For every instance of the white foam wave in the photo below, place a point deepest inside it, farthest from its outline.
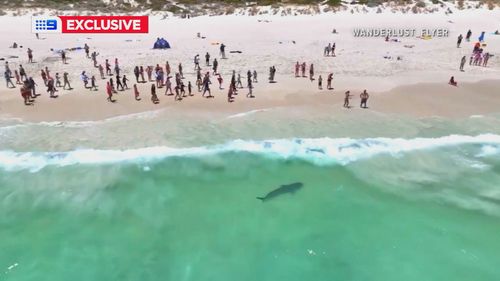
(246, 113)
(318, 151)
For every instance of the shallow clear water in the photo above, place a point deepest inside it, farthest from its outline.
(431, 214)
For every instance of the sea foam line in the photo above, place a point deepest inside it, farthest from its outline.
(318, 151)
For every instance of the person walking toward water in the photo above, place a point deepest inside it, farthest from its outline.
(462, 63)
(346, 99)
(26, 93)
(250, 89)
(459, 40)
(85, 79)
(119, 83)
(44, 77)
(197, 62)
(364, 99)
(94, 58)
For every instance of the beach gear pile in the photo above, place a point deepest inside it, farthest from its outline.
(161, 43)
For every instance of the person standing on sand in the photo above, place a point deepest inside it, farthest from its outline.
(119, 83)
(223, 51)
(32, 86)
(22, 73)
(63, 57)
(85, 79)
(459, 40)
(320, 83)
(136, 93)
(149, 71)
(51, 89)
(87, 50)
(58, 80)
(167, 68)
(94, 58)
(30, 55)
(219, 79)
(26, 93)
(168, 86)
(364, 99)
(37, 36)
(297, 69)
(303, 69)
(109, 91)
(311, 72)
(206, 86)
(136, 74)
(190, 89)
(108, 68)
(467, 37)
(255, 76)
(180, 71)
(66, 81)
(207, 59)
(124, 82)
(154, 97)
(230, 94)
(462, 63)
(333, 49)
(346, 99)
(250, 88)
(215, 65)
(44, 77)
(18, 80)
(329, 81)
(238, 82)
(101, 71)
(8, 80)
(486, 58)
(92, 83)
(196, 61)
(7, 69)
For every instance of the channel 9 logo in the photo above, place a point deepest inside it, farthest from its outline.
(46, 25)
(90, 24)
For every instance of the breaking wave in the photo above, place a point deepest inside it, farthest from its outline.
(318, 151)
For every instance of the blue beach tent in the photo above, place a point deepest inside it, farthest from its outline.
(161, 43)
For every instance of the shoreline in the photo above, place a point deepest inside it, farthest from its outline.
(427, 100)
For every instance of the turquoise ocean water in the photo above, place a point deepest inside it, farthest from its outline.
(369, 209)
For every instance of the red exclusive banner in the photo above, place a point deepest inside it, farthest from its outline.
(104, 24)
